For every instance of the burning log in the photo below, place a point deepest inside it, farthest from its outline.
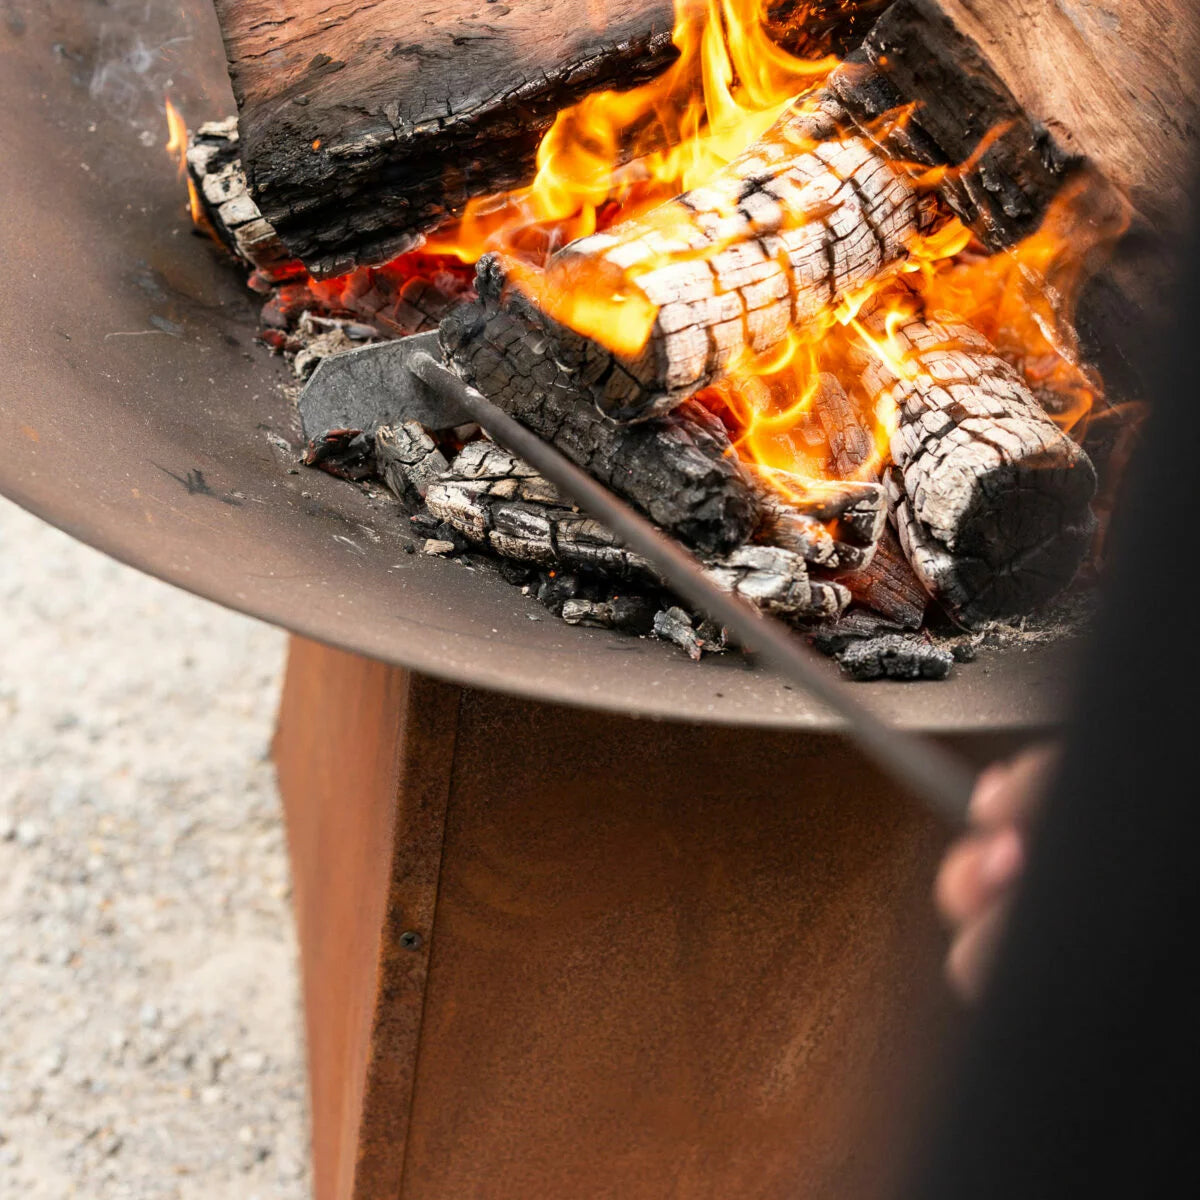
(494, 499)
(834, 525)
(403, 299)
(995, 77)
(888, 585)
(990, 498)
(681, 469)
(782, 234)
(368, 123)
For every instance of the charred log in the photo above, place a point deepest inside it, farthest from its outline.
(990, 499)
(894, 657)
(889, 586)
(218, 185)
(366, 124)
(835, 526)
(408, 460)
(964, 113)
(680, 470)
(496, 500)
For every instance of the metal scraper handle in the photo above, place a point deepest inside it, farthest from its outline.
(942, 780)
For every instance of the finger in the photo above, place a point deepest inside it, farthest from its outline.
(1010, 793)
(976, 871)
(969, 962)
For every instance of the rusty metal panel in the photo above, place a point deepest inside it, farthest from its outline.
(672, 961)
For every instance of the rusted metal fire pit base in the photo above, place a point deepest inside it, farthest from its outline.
(557, 953)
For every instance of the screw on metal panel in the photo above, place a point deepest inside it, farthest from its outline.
(411, 940)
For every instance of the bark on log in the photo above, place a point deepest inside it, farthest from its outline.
(786, 230)
(990, 499)
(680, 470)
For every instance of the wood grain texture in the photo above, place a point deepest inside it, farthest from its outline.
(1113, 80)
(364, 753)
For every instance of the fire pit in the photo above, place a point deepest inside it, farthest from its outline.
(200, 492)
(547, 948)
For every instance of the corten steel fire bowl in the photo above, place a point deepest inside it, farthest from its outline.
(137, 413)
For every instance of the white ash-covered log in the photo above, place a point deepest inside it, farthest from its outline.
(785, 232)
(990, 498)
(494, 499)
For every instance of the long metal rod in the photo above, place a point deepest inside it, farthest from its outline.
(932, 774)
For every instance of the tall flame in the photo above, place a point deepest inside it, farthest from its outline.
(616, 154)
(177, 147)
(177, 136)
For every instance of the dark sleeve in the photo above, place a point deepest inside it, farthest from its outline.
(1083, 1063)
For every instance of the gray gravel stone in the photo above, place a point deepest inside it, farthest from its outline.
(146, 942)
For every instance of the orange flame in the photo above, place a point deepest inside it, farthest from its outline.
(178, 136)
(177, 147)
(621, 153)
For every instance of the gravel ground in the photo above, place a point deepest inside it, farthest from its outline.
(150, 1039)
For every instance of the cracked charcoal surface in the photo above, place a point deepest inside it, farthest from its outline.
(152, 1044)
(496, 500)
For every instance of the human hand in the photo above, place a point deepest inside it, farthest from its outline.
(980, 871)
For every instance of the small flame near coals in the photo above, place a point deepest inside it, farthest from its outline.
(177, 141)
(177, 148)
